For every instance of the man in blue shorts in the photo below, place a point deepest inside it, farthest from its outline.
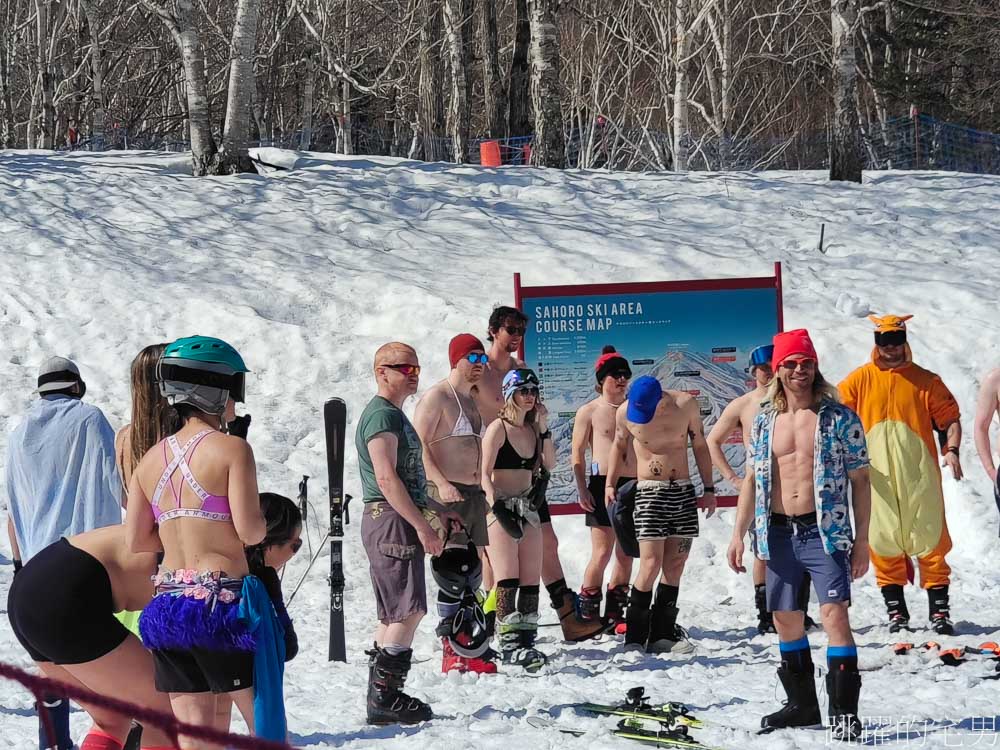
(802, 525)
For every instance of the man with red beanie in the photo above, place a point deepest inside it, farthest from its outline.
(594, 429)
(451, 428)
(805, 450)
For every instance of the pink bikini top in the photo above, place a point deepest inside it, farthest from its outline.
(213, 507)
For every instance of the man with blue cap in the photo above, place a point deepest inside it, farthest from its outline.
(657, 424)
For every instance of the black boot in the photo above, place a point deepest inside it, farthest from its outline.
(803, 601)
(665, 635)
(615, 604)
(940, 610)
(637, 618)
(844, 687)
(802, 707)
(895, 604)
(387, 703)
(517, 635)
(588, 605)
(765, 620)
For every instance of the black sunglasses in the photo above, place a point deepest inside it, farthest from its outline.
(296, 545)
(515, 330)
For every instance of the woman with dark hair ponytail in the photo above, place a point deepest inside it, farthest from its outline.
(281, 542)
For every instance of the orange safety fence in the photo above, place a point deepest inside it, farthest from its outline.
(40, 686)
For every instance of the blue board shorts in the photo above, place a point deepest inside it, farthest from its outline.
(797, 549)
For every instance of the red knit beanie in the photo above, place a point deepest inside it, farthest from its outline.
(792, 343)
(461, 345)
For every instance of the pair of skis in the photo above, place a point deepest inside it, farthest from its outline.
(953, 657)
(335, 427)
(672, 721)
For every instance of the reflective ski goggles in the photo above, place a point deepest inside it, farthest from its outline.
(478, 358)
(890, 338)
(762, 355)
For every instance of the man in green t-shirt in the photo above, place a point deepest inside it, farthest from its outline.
(395, 532)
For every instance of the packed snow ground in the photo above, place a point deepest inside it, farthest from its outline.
(307, 271)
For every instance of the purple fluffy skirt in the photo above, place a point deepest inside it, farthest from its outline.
(181, 623)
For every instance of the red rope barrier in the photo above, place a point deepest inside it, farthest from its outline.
(40, 686)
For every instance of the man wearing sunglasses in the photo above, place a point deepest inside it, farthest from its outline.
(451, 428)
(810, 465)
(988, 406)
(594, 430)
(657, 424)
(395, 532)
(901, 406)
(739, 416)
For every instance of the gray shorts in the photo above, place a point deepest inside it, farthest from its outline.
(472, 511)
(796, 551)
(396, 562)
(665, 509)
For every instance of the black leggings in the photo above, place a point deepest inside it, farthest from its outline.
(61, 607)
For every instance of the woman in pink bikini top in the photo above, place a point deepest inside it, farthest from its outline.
(194, 495)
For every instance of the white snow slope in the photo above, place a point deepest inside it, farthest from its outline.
(307, 271)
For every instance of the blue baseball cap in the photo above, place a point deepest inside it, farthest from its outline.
(643, 397)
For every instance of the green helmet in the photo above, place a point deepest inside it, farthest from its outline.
(202, 371)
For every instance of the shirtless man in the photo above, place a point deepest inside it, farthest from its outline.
(784, 501)
(451, 428)
(739, 415)
(657, 424)
(506, 332)
(987, 406)
(594, 429)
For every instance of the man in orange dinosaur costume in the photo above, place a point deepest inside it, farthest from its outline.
(901, 406)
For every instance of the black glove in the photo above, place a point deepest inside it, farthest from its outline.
(240, 426)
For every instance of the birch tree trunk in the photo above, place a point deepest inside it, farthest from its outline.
(494, 97)
(308, 93)
(234, 157)
(682, 45)
(43, 30)
(518, 82)
(845, 136)
(430, 33)
(457, 15)
(548, 148)
(97, 74)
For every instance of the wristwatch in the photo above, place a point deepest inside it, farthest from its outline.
(547, 435)
(951, 449)
(708, 488)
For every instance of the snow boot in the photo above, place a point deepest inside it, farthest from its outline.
(588, 605)
(895, 604)
(387, 703)
(665, 635)
(573, 628)
(614, 607)
(452, 662)
(844, 687)
(517, 634)
(940, 610)
(802, 707)
(765, 620)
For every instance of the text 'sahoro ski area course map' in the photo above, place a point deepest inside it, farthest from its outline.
(696, 340)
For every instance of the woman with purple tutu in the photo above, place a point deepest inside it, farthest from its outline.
(194, 495)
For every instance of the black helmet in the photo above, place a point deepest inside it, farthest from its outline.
(457, 569)
(466, 629)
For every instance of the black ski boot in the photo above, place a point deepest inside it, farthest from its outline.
(665, 635)
(517, 634)
(844, 687)
(614, 607)
(387, 703)
(588, 605)
(765, 620)
(940, 610)
(895, 604)
(637, 619)
(802, 707)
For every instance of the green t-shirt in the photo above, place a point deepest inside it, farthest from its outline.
(381, 416)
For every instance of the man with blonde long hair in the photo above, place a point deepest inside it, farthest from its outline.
(805, 450)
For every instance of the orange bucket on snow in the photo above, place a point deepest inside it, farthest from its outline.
(489, 154)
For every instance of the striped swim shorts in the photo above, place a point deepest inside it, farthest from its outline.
(665, 509)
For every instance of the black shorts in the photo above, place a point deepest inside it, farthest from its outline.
(61, 608)
(201, 671)
(598, 517)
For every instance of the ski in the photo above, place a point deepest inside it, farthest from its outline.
(953, 657)
(630, 730)
(636, 706)
(335, 425)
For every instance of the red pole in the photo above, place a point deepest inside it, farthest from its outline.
(781, 301)
(517, 304)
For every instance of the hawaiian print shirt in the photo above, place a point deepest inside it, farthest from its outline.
(840, 447)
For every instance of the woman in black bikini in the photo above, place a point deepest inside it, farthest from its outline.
(515, 447)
